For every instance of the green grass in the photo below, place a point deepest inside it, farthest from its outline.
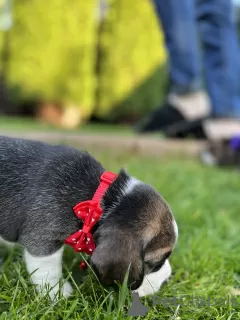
(206, 261)
(21, 124)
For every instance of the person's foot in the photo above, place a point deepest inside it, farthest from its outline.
(224, 142)
(221, 153)
(179, 117)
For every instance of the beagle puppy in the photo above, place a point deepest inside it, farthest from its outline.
(39, 186)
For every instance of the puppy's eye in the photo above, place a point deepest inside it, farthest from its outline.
(156, 265)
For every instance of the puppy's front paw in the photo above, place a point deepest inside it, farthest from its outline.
(64, 290)
(59, 290)
(153, 281)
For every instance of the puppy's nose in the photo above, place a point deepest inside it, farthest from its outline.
(133, 285)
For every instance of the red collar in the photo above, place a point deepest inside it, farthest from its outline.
(89, 212)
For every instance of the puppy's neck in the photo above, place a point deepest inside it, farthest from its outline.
(120, 188)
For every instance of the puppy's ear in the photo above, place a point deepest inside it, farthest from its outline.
(114, 254)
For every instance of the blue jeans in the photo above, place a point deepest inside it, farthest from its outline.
(213, 21)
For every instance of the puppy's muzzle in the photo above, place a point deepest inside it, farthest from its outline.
(109, 278)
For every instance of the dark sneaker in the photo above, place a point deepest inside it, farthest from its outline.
(168, 120)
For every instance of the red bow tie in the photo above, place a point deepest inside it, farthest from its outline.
(89, 212)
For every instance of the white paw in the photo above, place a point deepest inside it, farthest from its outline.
(153, 281)
(59, 290)
(66, 289)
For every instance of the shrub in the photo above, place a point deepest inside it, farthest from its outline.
(53, 48)
(52, 52)
(132, 57)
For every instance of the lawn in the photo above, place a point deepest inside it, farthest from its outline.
(206, 261)
(21, 124)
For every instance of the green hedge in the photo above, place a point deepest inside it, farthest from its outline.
(53, 46)
(132, 75)
(52, 51)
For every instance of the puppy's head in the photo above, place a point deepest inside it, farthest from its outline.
(138, 232)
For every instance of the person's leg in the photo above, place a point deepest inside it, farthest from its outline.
(222, 67)
(221, 55)
(179, 25)
(187, 102)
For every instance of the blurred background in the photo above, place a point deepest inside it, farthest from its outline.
(66, 64)
(69, 63)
